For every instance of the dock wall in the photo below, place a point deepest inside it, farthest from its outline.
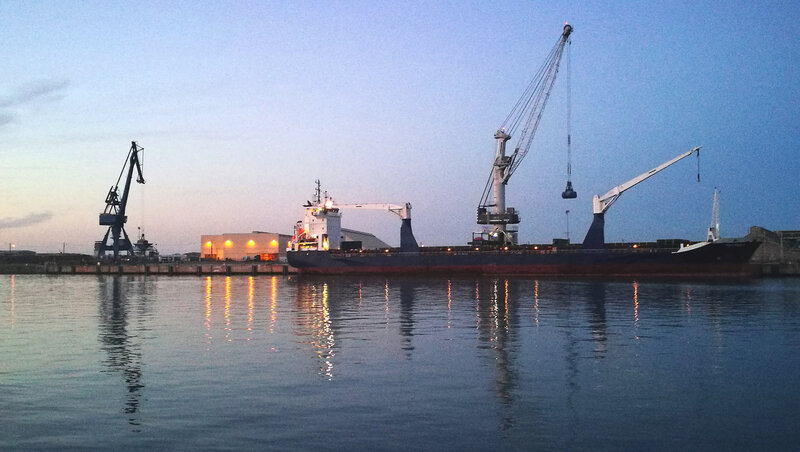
(171, 269)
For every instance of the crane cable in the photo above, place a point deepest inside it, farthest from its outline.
(531, 104)
(569, 111)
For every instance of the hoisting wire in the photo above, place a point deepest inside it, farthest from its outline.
(569, 111)
(698, 165)
(540, 98)
(486, 190)
(527, 96)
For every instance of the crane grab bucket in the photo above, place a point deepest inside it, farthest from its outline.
(569, 193)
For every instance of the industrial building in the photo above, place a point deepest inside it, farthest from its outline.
(256, 245)
(268, 246)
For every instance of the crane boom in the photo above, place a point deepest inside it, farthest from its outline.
(601, 203)
(595, 237)
(401, 210)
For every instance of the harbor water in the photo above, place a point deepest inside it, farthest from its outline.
(399, 363)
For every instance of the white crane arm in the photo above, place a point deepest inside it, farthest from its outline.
(401, 210)
(601, 203)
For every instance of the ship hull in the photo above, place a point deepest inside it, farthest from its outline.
(728, 258)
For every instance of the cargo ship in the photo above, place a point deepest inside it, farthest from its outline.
(317, 245)
(317, 248)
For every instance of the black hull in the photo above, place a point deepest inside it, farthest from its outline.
(724, 258)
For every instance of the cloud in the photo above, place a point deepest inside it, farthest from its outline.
(36, 91)
(6, 118)
(31, 94)
(28, 220)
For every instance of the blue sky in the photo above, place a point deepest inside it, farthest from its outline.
(240, 106)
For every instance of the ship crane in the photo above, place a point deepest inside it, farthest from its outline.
(113, 215)
(320, 228)
(524, 118)
(595, 237)
(407, 240)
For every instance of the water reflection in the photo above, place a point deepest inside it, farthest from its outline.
(496, 323)
(11, 300)
(121, 321)
(407, 316)
(314, 321)
(596, 299)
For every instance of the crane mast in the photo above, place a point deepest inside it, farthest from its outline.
(713, 230)
(525, 118)
(113, 215)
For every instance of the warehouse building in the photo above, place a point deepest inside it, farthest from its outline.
(256, 245)
(268, 246)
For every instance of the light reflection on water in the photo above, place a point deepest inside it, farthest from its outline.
(403, 362)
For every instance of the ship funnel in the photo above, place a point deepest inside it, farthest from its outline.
(407, 240)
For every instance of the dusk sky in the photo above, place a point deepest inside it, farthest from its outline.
(240, 106)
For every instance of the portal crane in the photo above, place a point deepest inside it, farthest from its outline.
(595, 237)
(526, 113)
(113, 215)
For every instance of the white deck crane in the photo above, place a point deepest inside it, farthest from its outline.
(525, 118)
(595, 237)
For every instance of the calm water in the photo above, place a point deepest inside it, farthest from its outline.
(400, 364)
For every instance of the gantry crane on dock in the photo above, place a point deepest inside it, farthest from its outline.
(113, 215)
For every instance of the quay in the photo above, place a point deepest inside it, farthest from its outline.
(168, 269)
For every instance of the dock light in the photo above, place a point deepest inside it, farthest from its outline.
(536, 247)
(505, 248)
(273, 242)
(635, 245)
(385, 251)
(208, 243)
(228, 243)
(448, 249)
(477, 249)
(251, 243)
